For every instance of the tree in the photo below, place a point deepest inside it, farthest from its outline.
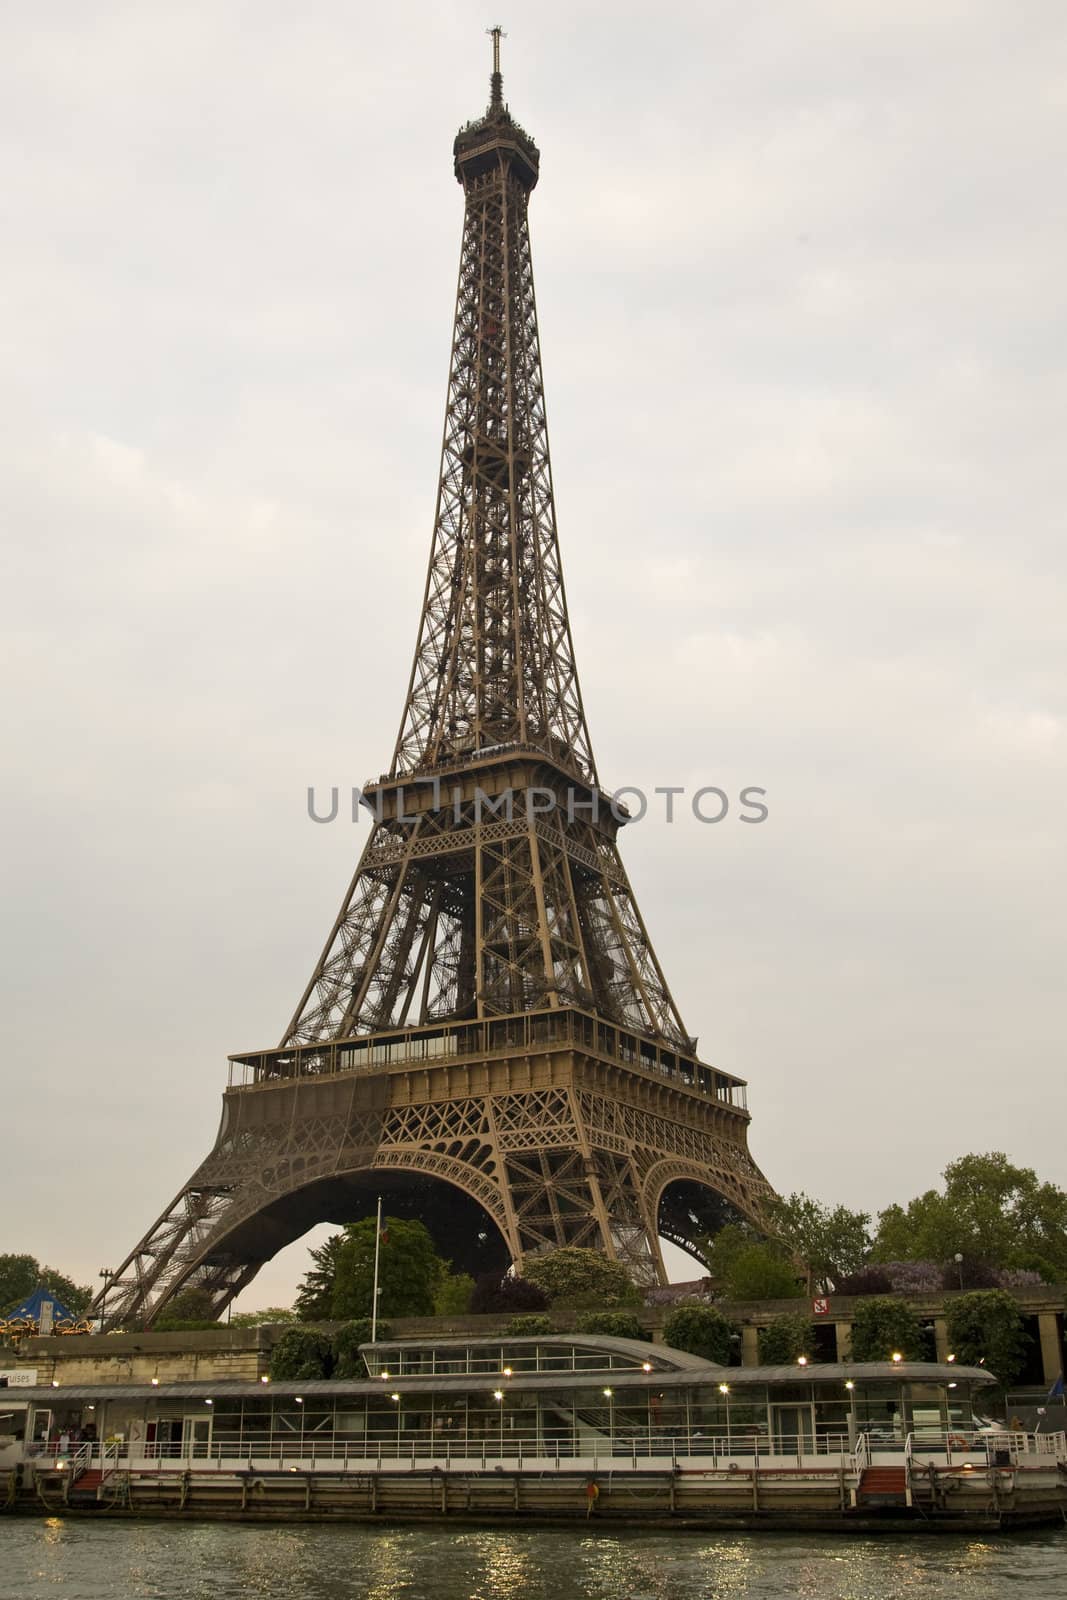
(530, 1324)
(506, 1291)
(21, 1274)
(761, 1272)
(991, 1211)
(831, 1241)
(747, 1266)
(191, 1307)
(883, 1325)
(347, 1361)
(583, 1279)
(259, 1319)
(314, 1298)
(301, 1354)
(986, 1329)
(19, 1277)
(340, 1282)
(701, 1331)
(617, 1324)
(409, 1270)
(785, 1338)
(452, 1292)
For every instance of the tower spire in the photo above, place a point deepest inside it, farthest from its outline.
(496, 78)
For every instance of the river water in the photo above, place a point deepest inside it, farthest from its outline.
(84, 1560)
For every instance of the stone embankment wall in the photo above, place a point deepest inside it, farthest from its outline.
(244, 1353)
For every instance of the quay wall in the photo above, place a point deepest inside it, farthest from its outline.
(244, 1353)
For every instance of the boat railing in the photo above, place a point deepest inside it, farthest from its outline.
(231, 1452)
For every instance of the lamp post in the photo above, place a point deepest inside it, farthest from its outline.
(851, 1387)
(107, 1275)
(498, 1396)
(724, 1390)
(958, 1259)
(609, 1396)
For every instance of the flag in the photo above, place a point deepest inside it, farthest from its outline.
(384, 1234)
(1056, 1392)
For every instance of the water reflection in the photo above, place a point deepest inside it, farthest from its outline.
(87, 1560)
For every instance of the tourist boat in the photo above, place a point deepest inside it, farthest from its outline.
(449, 1416)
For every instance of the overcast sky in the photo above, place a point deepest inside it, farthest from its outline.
(800, 273)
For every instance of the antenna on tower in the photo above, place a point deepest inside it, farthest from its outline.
(496, 81)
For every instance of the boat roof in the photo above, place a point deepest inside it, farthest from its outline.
(739, 1378)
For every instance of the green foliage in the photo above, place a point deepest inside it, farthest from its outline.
(506, 1291)
(340, 1282)
(582, 1279)
(189, 1305)
(832, 1241)
(700, 1330)
(301, 1353)
(881, 1325)
(408, 1272)
(20, 1275)
(347, 1361)
(185, 1325)
(785, 1338)
(990, 1210)
(747, 1267)
(452, 1293)
(619, 1324)
(314, 1297)
(261, 1319)
(986, 1328)
(529, 1324)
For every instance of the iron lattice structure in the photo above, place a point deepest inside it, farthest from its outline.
(488, 1013)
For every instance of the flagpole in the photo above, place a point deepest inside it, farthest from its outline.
(374, 1296)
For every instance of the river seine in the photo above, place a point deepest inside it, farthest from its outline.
(82, 1560)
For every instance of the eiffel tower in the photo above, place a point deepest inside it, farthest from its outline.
(487, 1039)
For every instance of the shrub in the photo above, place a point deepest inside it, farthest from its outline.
(184, 1325)
(1018, 1278)
(913, 1277)
(301, 1352)
(452, 1296)
(347, 1361)
(618, 1324)
(868, 1280)
(584, 1279)
(533, 1322)
(761, 1272)
(496, 1291)
(701, 1331)
(987, 1327)
(884, 1325)
(975, 1271)
(783, 1340)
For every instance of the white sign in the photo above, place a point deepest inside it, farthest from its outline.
(19, 1377)
(47, 1318)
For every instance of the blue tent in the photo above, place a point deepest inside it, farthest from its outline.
(31, 1306)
